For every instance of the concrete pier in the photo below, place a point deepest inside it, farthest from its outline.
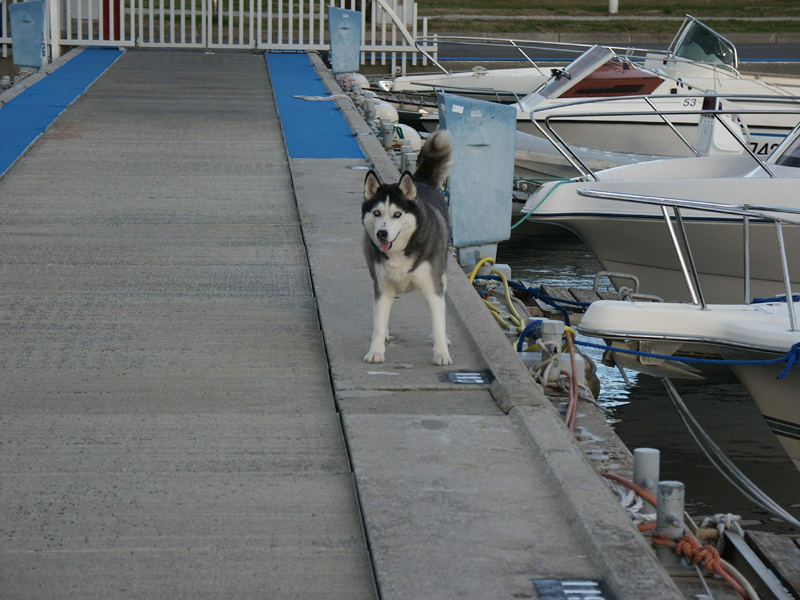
(185, 410)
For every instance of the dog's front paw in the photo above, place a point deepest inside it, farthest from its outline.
(442, 359)
(374, 357)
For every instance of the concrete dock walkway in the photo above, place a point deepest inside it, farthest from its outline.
(185, 410)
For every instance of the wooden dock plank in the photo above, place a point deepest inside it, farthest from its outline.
(562, 293)
(781, 553)
(584, 295)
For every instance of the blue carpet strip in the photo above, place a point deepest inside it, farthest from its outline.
(312, 129)
(26, 116)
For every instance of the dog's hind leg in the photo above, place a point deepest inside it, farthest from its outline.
(441, 354)
(380, 327)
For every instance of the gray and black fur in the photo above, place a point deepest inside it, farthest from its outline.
(406, 239)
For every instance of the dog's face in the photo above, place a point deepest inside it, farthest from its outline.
(389, 212)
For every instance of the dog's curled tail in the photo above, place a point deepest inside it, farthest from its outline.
(433, 163)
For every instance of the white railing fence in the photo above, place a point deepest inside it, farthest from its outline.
(388, 27)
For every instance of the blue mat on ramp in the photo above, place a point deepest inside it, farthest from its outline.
(27, 115)
(312, 129)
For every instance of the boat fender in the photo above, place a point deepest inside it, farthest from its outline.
(405, 133)
(384, 110)
(359, 79)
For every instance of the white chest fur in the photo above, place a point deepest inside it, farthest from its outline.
(396, 273)
(395, 276)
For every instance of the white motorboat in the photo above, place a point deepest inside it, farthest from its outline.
(507, 85)
(761, 340)
(740, 332)
(698, 62)
(497, 85)
(536, 158)
(631, 238)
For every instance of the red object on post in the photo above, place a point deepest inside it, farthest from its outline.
(111, 7)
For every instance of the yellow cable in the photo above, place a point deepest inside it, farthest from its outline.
(491, 306)
(499, 319)
(478, 266)
(516, 318)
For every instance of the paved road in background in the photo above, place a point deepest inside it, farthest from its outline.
(747, 52)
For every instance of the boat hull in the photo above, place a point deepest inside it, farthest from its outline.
(649, 137)
(739, 332)
(777, 399)
(643, 247)
(634, 238)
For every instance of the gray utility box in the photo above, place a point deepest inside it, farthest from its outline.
(345, 34)
(482, 177)
(27, 33)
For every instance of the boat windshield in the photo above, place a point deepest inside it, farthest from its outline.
(790, 157)
(697, 41)
(576, 71)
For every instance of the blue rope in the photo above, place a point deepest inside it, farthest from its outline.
(790, 358)
(529, 329)
(537, 293)
(795, 298)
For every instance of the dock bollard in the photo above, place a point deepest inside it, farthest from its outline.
(387, 133)
(369, 107)
(646, 470)
(669, 520)
(552, 331)
(408, 162)
(405, 154)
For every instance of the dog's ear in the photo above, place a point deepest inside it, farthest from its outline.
(371, 186)
(407, 187)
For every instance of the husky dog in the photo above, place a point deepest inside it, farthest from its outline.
(407, 234)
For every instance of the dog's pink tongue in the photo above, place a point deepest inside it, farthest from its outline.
(385, 246)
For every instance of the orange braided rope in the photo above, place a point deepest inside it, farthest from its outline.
(689, 547)
(639, 490)
(631, 485)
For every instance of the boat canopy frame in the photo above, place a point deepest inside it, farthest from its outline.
(710, 109)
(747, 212)
(428, 46)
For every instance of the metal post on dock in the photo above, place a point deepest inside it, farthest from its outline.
(387, 133)
(670, 498)
(646, 471)
(408, 160)
(369, 108)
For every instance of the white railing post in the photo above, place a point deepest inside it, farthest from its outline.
(55, 28)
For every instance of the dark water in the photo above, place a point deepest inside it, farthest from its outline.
(643, 415)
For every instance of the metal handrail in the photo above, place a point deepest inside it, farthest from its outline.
(689, 269)
(422, 43)
(564, 148)
(454, 89)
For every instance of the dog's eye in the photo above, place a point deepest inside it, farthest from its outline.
(376, 213)
(398, 214)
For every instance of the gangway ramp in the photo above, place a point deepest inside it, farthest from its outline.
(185, 410)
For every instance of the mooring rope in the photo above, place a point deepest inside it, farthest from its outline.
(790, 358)
(686, 545)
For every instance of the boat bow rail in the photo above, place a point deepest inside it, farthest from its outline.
(713, 50)
(680, 240)
(702, 107)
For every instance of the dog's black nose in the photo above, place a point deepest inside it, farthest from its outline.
(382, 235)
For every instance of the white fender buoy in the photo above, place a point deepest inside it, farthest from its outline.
(359, 79)
(404, 133)
(384, 110)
